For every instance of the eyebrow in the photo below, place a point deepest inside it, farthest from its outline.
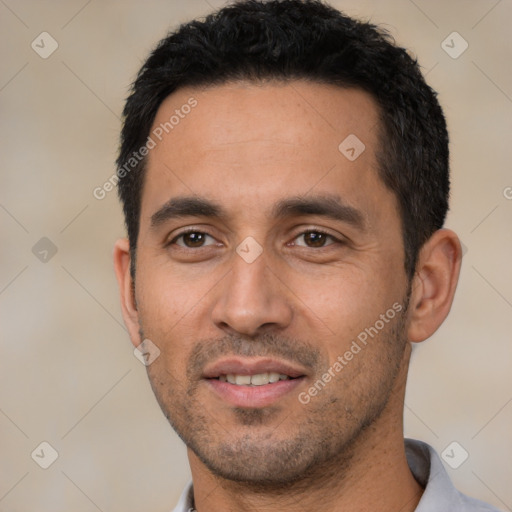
(328, 206)
(180, 207)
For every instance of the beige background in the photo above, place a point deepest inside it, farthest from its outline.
(67, 371)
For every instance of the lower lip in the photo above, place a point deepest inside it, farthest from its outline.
(253, 396)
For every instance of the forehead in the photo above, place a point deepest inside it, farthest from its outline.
(297, 113)
(262, 140)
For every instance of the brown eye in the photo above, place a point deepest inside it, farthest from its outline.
(193, 240)
(314, 239)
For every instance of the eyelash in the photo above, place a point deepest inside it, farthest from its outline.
(186, 232)
(303, 233)
(319, 232)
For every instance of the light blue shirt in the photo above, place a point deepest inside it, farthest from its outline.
(439, 495)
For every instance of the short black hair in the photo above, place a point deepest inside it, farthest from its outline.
(258, 40)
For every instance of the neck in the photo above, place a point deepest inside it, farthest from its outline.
(372, 474)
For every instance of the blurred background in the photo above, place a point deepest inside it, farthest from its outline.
(68, 375)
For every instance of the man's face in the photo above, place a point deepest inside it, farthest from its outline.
(266, 250)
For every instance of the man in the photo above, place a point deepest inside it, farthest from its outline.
(284, 176)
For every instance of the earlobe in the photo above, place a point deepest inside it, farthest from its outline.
(122, 261)
(434, 284)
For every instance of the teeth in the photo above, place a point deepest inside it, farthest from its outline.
(258, 379)
(242, 380)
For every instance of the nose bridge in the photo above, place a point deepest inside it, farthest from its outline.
(247, 280)
(250, 299)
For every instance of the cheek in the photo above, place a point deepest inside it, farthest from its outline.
(345, 301)
(171, 308)
(160, 311)
(158, 304)
(166, 294)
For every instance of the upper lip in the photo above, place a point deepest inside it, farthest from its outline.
(250, 366)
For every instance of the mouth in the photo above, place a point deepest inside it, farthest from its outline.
(259, 379)
(252, 383)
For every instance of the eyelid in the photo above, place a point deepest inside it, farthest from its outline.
(335, 238)
(172, 240)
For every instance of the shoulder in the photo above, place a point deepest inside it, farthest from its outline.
(439, 492)
(473, 505)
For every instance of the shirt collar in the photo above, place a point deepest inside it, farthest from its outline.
(429, 472)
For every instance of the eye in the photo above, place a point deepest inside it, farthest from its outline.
(193, 240)
(314, 239)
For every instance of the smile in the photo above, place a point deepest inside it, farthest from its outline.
(253, 382)
(259, 379)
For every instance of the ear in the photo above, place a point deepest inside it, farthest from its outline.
(434, 284)
(122, 260)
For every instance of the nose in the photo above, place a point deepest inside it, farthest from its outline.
(251, 300)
